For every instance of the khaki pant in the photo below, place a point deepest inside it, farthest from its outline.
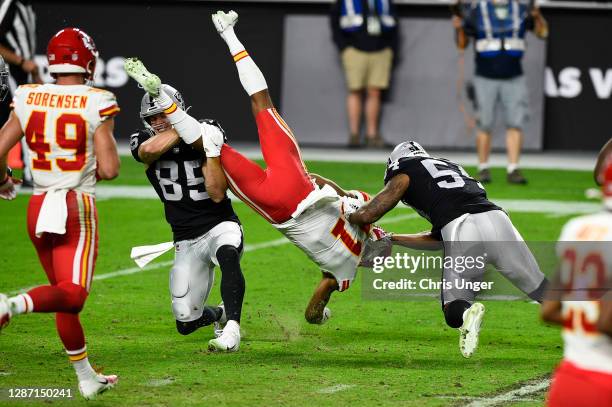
(367, 69)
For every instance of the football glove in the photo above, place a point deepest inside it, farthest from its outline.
(350, 205)
(213, 138)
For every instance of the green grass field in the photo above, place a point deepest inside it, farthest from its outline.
(369, 353)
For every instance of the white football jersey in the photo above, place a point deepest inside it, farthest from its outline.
(328, 239)
(585, 249)
(59, 122)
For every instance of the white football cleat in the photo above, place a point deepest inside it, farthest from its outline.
(223, 21)
(98, 384)
(137, 71)
(221, 322)
(469, 331)
(5, 311)
(229, 341)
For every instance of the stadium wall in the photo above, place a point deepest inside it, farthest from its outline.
(291, 43)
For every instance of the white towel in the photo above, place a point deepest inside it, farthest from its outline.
(143, 255)
(53, 213)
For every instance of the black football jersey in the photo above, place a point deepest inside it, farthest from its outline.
(179, 182)
(439, 190)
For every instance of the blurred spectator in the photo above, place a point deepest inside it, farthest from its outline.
(498, 28)
(17, 47)
(365, 32)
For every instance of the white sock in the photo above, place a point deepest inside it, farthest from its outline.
(232, 325)
(21, 304)
(83, 369)
(250, 75)
(483, 166)
(512, 167)
(186, 126)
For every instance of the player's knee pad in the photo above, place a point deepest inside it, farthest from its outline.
(181, 309)
(75, 296)
(453, 312)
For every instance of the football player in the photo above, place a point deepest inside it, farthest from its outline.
(583, 306)
(305, 207)
(68, 127)
(206, 230)
(459, 211)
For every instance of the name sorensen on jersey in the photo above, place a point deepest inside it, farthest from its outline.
(179, 182)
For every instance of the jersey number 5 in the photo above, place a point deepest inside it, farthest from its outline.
(76, 140)
(457, 182)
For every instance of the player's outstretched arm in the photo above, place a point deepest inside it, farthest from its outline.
(158, 145)
(322, 181)
(105, 149)
(315, 310)
(251, 77)
(382, 203)
(214, 179)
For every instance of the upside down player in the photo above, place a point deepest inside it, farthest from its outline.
(459, 211)
(68, 127)
(206, 230)
(305, 207)
(584, 378)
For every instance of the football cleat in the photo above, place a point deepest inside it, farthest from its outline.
(470, 330)
(223, 21)
(137, 71)
(98, 384)
(5, 311)
(229, 341)
(222, 321)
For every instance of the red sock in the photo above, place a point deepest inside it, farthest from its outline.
(70, 331)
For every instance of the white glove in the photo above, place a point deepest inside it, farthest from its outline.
(7, 190)
(213, 140)
(350, 205)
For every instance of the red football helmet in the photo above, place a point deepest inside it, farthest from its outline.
(72, 50)
(607, 184)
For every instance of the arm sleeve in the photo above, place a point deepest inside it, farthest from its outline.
(107, 106)
(470, 24)
(7, 15)
(136, 140)
(529, 23)
(334, 19)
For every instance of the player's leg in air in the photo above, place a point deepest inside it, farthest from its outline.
(69, 262)
(276, 191)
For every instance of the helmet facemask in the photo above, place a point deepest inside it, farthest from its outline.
(4, 80)
(149, 108)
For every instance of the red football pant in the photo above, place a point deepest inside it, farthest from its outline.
(69, 261)
(275, 192)
(575, 387)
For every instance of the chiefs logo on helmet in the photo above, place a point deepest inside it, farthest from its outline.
(72, 50)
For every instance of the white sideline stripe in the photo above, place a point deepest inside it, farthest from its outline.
(512, 395)
(247, 248)
(104, 192)
(335, 389)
